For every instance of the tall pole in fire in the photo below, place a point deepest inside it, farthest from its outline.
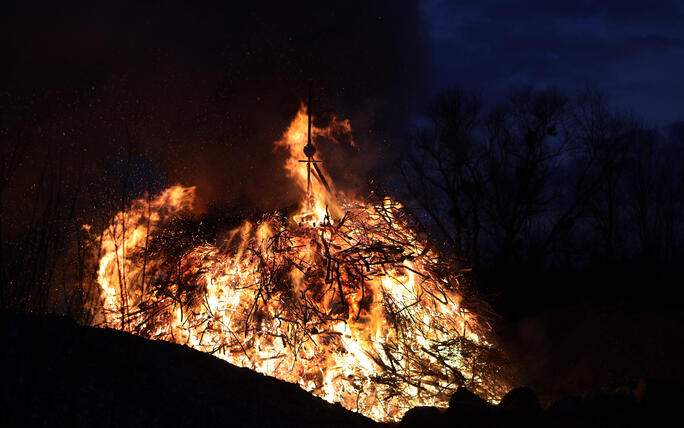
(309, 151)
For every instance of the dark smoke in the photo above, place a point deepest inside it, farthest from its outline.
(196, 94)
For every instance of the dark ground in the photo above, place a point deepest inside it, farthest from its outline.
(57, 373)
(586, 347)
(60, 374)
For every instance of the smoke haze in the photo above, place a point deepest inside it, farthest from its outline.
(196, 95)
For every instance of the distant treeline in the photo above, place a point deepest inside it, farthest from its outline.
(552, 197)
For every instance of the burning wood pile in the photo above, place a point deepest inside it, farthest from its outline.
(345, 297)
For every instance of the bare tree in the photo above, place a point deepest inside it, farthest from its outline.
(487, 180)
(442, 171)
(604, 137)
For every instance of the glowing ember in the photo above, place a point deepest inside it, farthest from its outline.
(345, 299)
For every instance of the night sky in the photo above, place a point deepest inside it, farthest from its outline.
(374, 63)
(632, 50)
(199, 87)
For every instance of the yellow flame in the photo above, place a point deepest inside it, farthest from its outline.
(333, 337)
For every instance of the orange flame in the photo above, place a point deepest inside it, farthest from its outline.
(345, 300)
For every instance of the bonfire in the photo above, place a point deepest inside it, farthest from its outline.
(344, 296)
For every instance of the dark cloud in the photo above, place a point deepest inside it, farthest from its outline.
(632, 50)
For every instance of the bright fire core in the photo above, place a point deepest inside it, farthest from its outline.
(343, 297)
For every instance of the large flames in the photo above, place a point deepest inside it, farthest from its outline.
(343, 297)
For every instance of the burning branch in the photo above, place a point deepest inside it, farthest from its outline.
(354, 307)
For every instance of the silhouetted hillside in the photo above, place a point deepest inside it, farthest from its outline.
(60, 374)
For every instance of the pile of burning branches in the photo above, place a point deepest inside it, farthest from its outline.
(350, 302)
